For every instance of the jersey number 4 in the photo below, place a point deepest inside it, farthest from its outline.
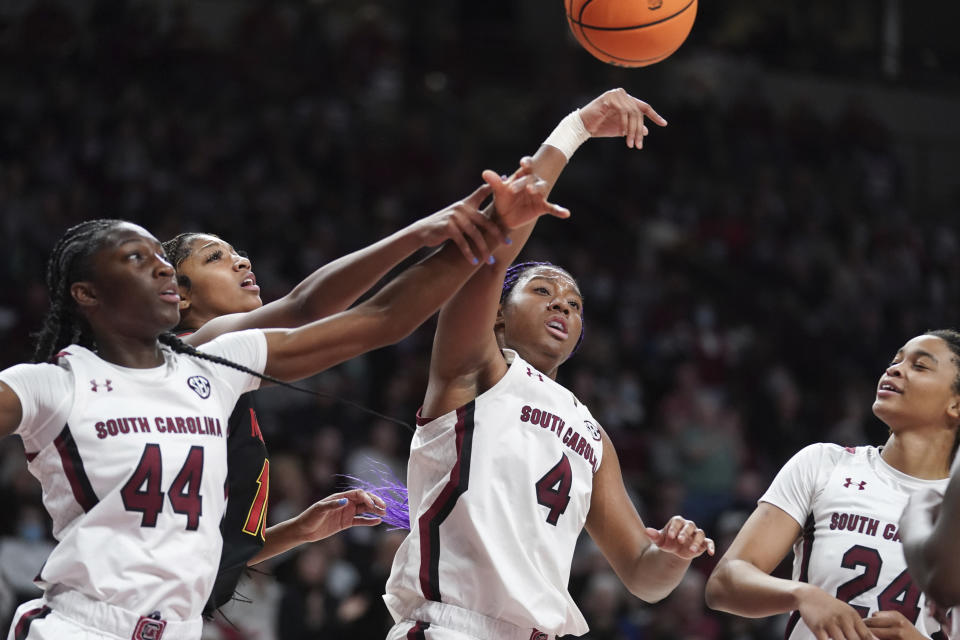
(553, 489)
(900, 595)
(142, 492)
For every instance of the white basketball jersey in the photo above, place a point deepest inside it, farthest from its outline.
(849, 502)
(499, 492)
(134, 480)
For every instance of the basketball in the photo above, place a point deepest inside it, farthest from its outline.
(631, 33)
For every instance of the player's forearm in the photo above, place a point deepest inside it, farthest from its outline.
(277, 539)
(335, 286)
(386, 318)
(655, 574)
(739, 587)
(934, 566)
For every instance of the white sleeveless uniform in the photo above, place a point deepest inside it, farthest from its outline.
(499, 491)
(132, 463)
(849, 502)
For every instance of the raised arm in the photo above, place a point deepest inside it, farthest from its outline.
(930, 529)
(338, 284)
(650, 563)
(403, 304)
(741, 582)
(465, 352)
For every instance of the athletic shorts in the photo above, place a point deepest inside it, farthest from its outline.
(74, 616)
(438, 621)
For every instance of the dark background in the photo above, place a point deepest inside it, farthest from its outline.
(747, 275)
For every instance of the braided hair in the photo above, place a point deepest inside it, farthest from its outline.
(512, 277)
(952, 338)
(69, 263)
(178, 249)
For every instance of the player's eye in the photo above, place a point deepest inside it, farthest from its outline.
(216, 255)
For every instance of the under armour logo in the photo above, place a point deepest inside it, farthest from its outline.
(860, 484)
(536, 634)
(530, 374)
(95, 386)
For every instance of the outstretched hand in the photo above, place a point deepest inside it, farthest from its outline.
(338, 512)
(522, 197)
(682, 538)
(616, 113)
(460, 221)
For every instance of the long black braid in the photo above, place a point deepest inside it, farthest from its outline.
(511, 278)
(69, 263)
(179, 346)
(952, 338)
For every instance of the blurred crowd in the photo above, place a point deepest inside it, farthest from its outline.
(746, 276)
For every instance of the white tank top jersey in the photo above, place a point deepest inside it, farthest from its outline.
(499, 491)
(132, 463)
(849, 502)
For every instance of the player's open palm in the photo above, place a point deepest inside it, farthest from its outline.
(682, 538)
(338, 512)
(522, 197)
(829, 618)
(616, 113)
(892, 625)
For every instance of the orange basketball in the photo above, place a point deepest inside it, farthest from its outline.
(631, 33)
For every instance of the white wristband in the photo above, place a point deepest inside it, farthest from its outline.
(569, 134)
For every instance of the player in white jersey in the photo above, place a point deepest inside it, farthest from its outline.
(219, 293)
(839, 508)
(507, 466)
(930, 528)
(135, 485)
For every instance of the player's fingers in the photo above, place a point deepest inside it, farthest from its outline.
(488, 226)
(673, 527)
(697, 541)
(365, 521)
(686, 532)
(835, 632)
(370, 501)
(638, 133)
(464, 247)
(848, 629)
(624, 122)
(557, 211)
(468, 228)
(526, 167)
(711, 546)
(881, 619)
(329, 504)
(654, 534)
(482, 192)
(650, 113)
(865, 633)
